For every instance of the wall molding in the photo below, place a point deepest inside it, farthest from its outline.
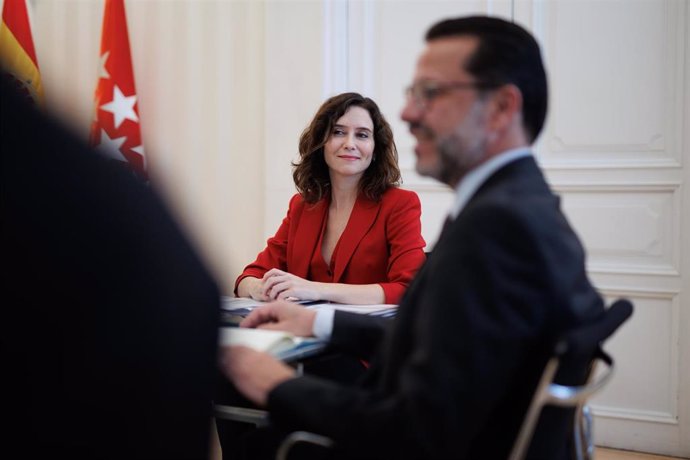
(550, 163)
(349, 38)
(634, 415)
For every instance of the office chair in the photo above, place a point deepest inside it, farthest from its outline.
(581, 345)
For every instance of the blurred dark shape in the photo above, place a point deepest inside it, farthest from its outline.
(109, 318)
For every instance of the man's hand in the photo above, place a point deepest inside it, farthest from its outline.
(253, 373)
(282, 316)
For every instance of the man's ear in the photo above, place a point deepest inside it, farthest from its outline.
(506, 107)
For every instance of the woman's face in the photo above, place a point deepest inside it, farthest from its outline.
(350, 146)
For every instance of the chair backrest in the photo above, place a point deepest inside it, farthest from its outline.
(572, 365)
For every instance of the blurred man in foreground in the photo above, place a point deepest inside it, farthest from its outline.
(109, 318)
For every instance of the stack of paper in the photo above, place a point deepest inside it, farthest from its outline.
(280, 344)
(374, 310)
(243, 306)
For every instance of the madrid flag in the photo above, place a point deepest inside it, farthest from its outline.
(115, 128)
(17, 53)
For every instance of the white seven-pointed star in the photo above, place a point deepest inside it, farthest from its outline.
(102, 71)
(121, 107)
(111, 147)
(138, 149)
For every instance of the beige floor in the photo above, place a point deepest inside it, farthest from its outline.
(215, 453)
(611, 454)
(601, 453)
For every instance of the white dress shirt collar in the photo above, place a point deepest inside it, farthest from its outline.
(475, 178)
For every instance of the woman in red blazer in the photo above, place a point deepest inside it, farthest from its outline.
(350, 234)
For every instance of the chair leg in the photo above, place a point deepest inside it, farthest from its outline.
(587, 434)
(578, 441)
(583, 442)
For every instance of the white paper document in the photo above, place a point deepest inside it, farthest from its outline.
(361, 309)
(243, 306)
(242, 303)
(278, 343)
(238, 303)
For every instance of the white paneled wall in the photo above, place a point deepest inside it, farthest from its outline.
(226, 86)
(616, 149)
(293, 88)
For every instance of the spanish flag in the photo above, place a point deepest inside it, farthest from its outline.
(17, 54)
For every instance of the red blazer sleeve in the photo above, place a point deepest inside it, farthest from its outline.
(275, 253)
(406, 245)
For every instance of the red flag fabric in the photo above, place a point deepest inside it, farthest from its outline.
(17, 51)
(115, 128)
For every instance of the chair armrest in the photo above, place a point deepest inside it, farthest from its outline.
(241, 414)
(301, 436)
(571, 396)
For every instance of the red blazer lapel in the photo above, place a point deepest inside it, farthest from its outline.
(362, 218)
(306, 237)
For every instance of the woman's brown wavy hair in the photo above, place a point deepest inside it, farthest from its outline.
(310, 173)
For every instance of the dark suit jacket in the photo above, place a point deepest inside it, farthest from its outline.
(382, 243)
(109, 319)
(473, 332)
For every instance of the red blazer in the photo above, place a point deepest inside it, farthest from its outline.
(382, 242)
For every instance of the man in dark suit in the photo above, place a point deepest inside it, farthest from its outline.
(453, 375)
(109, 318)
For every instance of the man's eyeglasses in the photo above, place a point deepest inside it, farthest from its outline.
(423, 92)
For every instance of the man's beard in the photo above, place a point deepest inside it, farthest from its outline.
(458, 152)
(457, 158)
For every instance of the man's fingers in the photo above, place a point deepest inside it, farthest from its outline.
(258, 316)
(272, 326)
